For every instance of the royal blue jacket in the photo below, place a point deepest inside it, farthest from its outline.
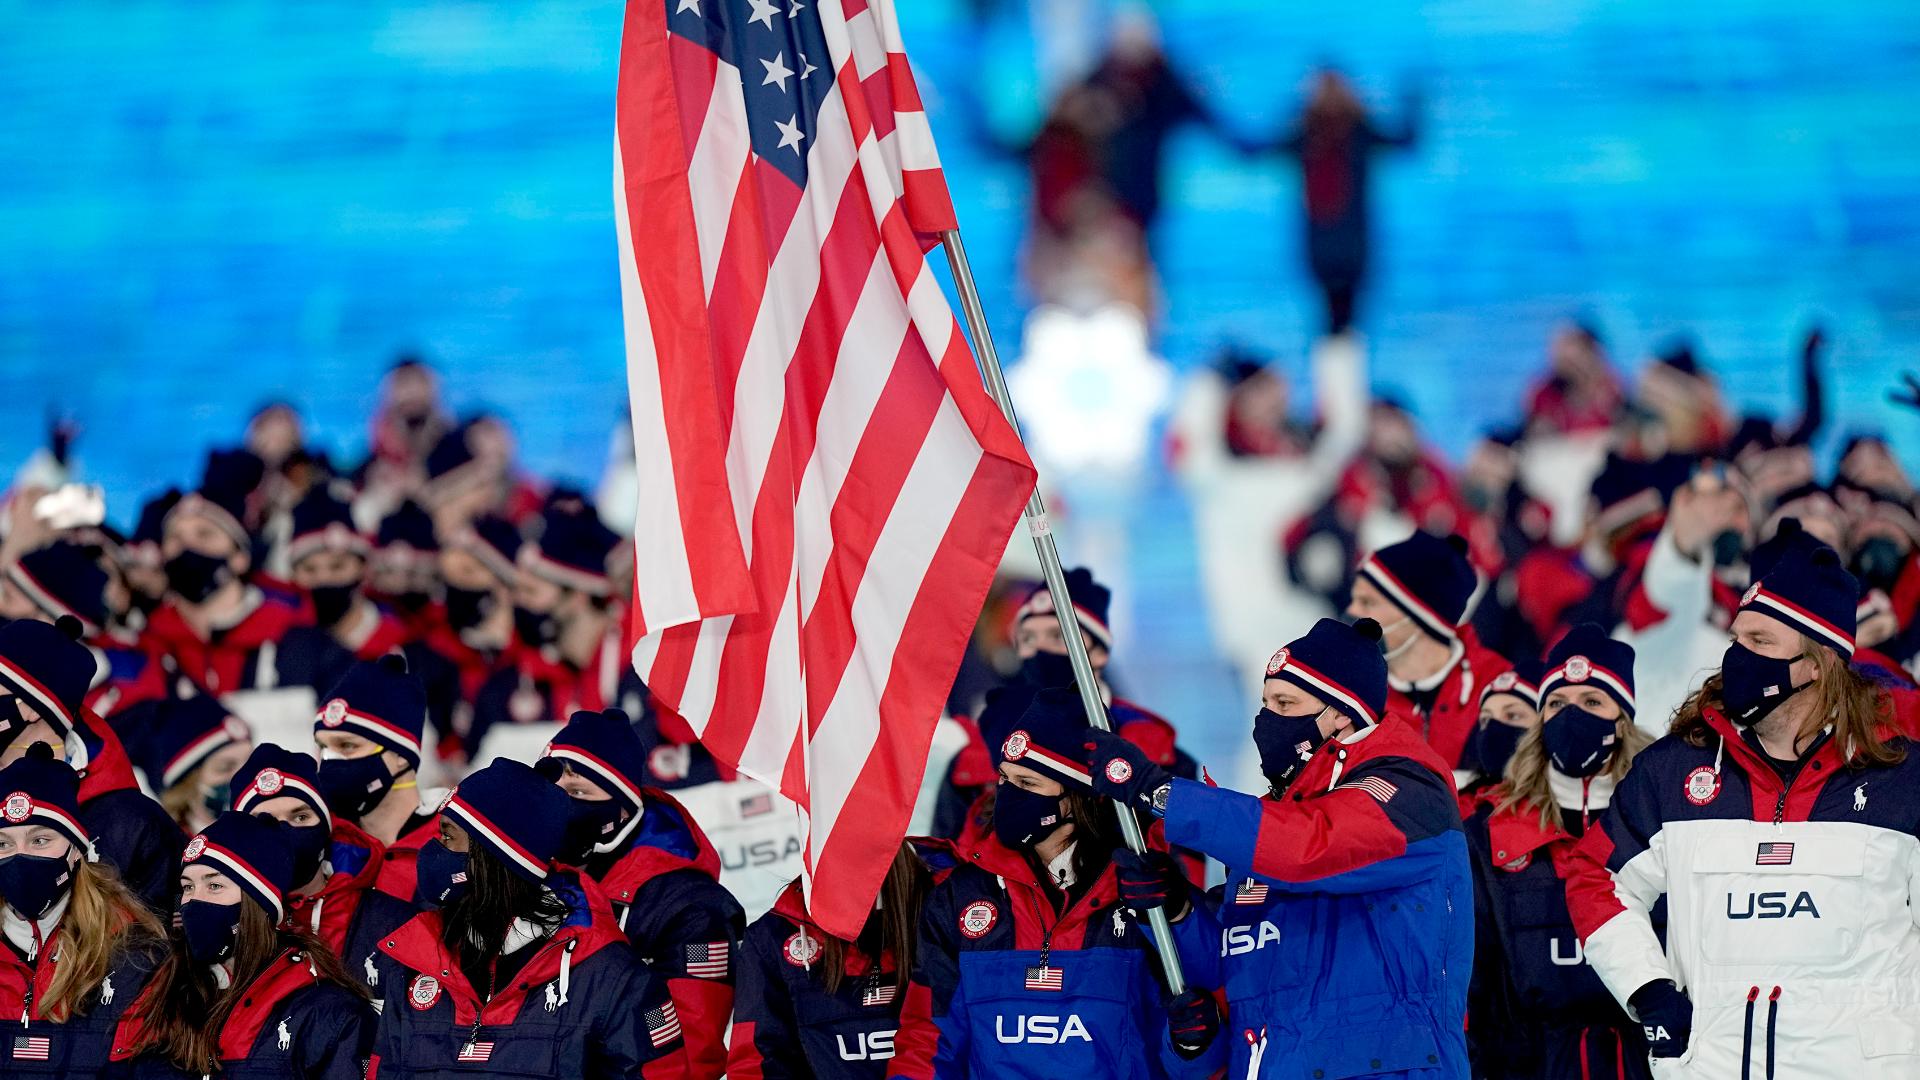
(289, 1025)
(82, 1044)
(1002, 986)
(1344, 938)
(582, 1006)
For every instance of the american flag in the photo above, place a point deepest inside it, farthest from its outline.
(1045, 978)
(1378, 787)
(1772, 853)
(476, 1051)
(826, 486)
(707, 960)
(32, 1047)
(880, 995)
(663, 1024)
(1251, 892)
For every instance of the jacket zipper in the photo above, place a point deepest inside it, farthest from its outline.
(1746, 1037)
(1773, 1014)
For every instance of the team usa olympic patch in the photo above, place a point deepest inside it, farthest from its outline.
(1278, 662)
(801, 950)
(335, 713)
(236, 728)
(1118, 771)
(1506, 680)
(194, 848)
(1578, 668)
(1703, 785)
(269, 781)
(19, 807)
(1015, 747)
(978, 918)
(424, 992)
(1753, 590)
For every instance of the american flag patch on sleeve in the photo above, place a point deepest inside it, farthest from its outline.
(663, 1025)
(1379, 787)
(708, 960)
(1771, 853)
(32, 1047)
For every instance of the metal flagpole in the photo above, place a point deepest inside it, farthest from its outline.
(1042, 533)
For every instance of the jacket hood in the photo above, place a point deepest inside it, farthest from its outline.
(667, 839)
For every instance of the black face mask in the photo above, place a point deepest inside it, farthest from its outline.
(1578, 743)
(592, 822)
(1494, 744)
(1022, 818)
(1878, 563)
(332, 602)
(354, 786)
(217, 798)
(311, 845)
(1753, 685)
(1728, 546)
(209, 929)
(441, 875)
(1285, 744)
(1045, 669)
(535, 628)
(468, 608)
(193, 577)
(32, 884)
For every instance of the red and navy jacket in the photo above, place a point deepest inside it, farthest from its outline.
(289, 1025)
(1344, 940)
(128, 675)
(666, 896)
(581, 1006)
(1005, 986)
(787, 1026)
(399, 863)
(232, 658)
(1535, 1010)
(130, 831)
(538, 686)
(348, 914)
(32, 1045)
(1455, 708)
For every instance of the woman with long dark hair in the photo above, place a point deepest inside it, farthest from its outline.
(242, 994)
(517, 967)
(75, 945)
(810, 1004)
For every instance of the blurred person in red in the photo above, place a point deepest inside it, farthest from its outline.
(1581, 393)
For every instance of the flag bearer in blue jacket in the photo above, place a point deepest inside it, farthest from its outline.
(1028, 965)
(517, 968)
(1344, 936)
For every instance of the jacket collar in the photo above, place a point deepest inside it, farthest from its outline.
(666, 840)
(1391, 737)
(1515, 833)
(106, 768)
(291, 972)
(1759, 771)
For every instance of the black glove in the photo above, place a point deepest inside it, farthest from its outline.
(1122, 771)
(1666, 1017)
(1150, 881)
(1193, 1022)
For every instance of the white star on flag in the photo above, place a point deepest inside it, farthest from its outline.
(763, 12)
(806, 68)
(777, 71)
(686, 6)
(794, 11)
(790, 134)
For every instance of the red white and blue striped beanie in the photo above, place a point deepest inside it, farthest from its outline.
(380, 701)
(62, 579)
(275, 771)
(1050, 738)
(47, 668)
(40, 789)
(1809, 590)
(515, 813)
(1521, 681)
(1340, 665)
(1428, 578)
(254, 853)
(183, 733)
(1586, 656)
(1091, 601)
(604, 748)
(324, 523)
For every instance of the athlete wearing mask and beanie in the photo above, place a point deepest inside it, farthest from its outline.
(1509, 708)
(75, 945)
(243, 995)
(516, 967)
(657, 869)
(328, 557)
(1418, 591)
(1535, 1011)
(191, 749)
(1780, 822)
(368, 732)
(1343, 937)
(1028, 964)
(335, 862)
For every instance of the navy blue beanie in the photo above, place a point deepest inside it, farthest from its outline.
(1428, 578)
(1586, 655)
(1091, 601)
(228, 482)
(45, 664)
(492, 540)
(1522, 681)
(381, 701)
(1340, 665)
(324, 523)
(604, 748)
(407, 526)
(515, 813)
(1001, 714)
(572, 553)
(62, 579)
(273, 771)
(255, 853)
(183, 733)
(1806, 587)
(40, 789)
(1050, 738)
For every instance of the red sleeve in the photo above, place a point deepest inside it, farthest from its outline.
(704, 1006)
(917, 1039)
(1591, 899)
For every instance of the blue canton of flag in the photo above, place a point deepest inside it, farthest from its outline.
(781, 53)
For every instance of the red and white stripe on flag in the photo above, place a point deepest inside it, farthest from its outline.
(826, 488)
